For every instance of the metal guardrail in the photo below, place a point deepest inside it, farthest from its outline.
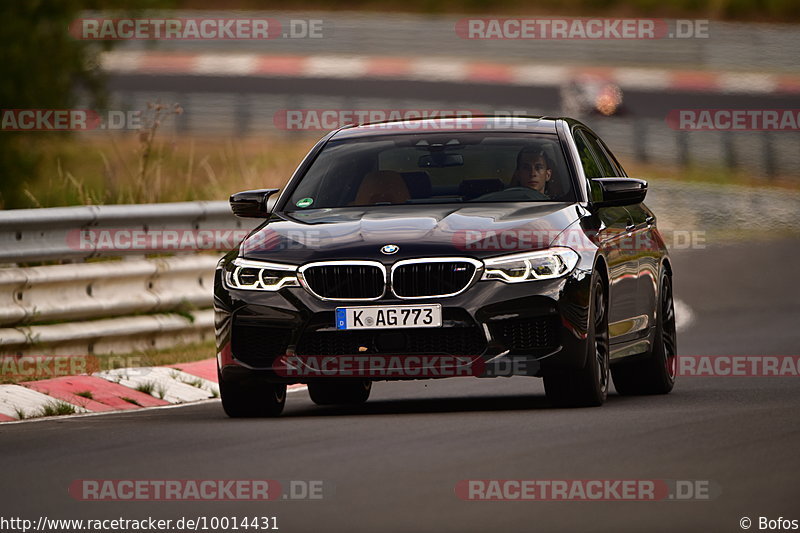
(109, 306)
(29, 235)
(109, 336)
(111, 288)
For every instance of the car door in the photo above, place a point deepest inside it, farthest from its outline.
(613, 233)
(644, 243)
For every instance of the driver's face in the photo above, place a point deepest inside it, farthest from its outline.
(533, 172)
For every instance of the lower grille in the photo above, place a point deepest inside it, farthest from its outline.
(258, 346)
(418, 341)
(431, 279)
(345, 281)
(527, 333)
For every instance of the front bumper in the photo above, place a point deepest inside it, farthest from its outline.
(503, 329)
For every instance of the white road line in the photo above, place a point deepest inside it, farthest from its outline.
(225, 64)
(439, 70)
(746, 82)
(102, 413)
(640, 78)
(123, 411)
(335, 67)
(540, 75)
(121, 61)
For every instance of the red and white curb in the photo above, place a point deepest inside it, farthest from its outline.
(122, 389)
(20, 402)
(440, 69)
(168, 384)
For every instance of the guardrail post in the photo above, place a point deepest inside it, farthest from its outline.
(293, 102)
(243, 114)
(769, 155)
(183, 122)
(683, 148)
(728, 150)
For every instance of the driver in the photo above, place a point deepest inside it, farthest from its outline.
(534, 170)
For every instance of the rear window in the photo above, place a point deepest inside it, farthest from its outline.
(435, 168)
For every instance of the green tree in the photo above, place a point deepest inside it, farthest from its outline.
(42, 68)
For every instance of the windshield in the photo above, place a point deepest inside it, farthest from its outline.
(435, 168)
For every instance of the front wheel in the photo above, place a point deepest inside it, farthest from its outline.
(335, 392)
(587, 387)
(251, 399)
(655, 372)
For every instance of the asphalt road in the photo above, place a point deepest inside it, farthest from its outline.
(392, 464)
(645, 104)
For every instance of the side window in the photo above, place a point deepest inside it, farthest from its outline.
(607, 168)
(620, 171)
(588, 159)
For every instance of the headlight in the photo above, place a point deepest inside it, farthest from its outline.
(545, 264)
(260, 276)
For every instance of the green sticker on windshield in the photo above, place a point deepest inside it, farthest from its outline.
(304, 202)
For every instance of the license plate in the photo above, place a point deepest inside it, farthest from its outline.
(389, 317)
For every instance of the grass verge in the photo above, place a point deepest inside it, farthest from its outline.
(710, 175)
(93, 170)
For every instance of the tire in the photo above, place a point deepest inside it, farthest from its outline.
(335, 392)
(655, 372)
(587, 387)
(251, 400)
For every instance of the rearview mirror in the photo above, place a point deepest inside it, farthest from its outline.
(440, 159)
(251, 204)
(608, 192)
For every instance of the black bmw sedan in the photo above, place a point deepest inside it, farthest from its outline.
(449, 247)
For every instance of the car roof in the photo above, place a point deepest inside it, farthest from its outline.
(451, 124)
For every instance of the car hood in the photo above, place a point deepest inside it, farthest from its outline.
(477, 231)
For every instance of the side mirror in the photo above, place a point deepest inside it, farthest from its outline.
(251, 204)
(610, 192)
